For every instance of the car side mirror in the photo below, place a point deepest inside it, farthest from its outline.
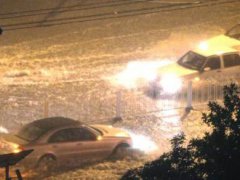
(207, 69)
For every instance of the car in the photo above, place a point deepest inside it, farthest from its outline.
(59, 141)
(216, 58)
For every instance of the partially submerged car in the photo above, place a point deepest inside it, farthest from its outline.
(63, 141)
(219, 57)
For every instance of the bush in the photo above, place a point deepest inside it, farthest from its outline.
(215, 157)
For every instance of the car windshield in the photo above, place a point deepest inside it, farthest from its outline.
(30, 132)
(192, 60)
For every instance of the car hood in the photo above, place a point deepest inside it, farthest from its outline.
(109, 131)
(176, 69)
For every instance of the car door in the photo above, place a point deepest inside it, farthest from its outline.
(90, 145)
(103, 146)
(212, 68)
(231, 65)
(63, 144)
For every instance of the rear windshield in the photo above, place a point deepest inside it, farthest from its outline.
(30, 132)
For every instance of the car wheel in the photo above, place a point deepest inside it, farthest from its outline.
(47, 163)
(120, 152)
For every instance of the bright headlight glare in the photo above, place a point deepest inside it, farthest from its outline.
(203, 46)
(171, 83)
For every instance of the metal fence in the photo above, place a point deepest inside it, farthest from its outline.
(192, 95)
(100, 107)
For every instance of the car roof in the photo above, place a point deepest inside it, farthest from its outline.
(215, 51)
(218, 45)
(53, 122)
(34, 130)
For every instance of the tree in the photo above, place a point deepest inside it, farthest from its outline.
(215, 156)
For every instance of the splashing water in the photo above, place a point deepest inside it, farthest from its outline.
(170, 118)
(3, 130)
(143, 143)
(139, 72)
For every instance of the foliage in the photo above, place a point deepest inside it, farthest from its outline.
(215, 157)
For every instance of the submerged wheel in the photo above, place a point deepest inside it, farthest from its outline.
(120, 152)
(47, 163)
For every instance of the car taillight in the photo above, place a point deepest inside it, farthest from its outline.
(17, 148)
(10, 147)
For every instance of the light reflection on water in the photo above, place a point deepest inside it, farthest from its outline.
(170, 121)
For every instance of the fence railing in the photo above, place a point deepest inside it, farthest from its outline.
(118, 103)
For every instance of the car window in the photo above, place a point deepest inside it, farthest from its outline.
(71, 135)
(231, 60)
(83, 134)
(213, 63)
(62, 136)
(31, 132)
(192, 60)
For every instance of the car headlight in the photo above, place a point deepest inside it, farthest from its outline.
(170, 83)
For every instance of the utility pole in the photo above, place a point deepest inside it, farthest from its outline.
(189, 97)
(46, 108)
(118, 117)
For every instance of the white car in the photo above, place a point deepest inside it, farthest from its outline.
(218, 57)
